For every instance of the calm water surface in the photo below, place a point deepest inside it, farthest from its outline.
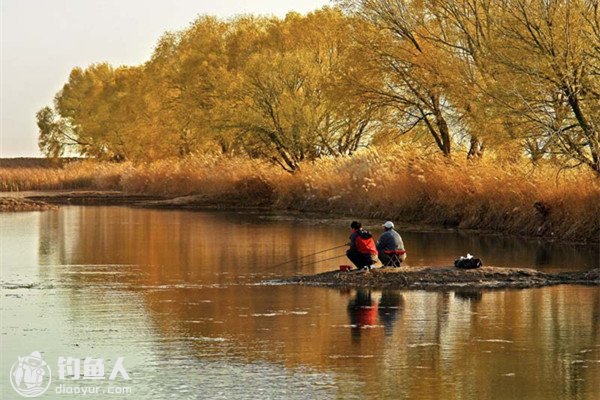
(179, 296)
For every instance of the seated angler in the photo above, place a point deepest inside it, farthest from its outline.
(390, 248)
(362, 249)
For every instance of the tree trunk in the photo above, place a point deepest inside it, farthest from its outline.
(475, 149)
(442, 127)
(592, 136)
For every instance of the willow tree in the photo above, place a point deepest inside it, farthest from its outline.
(548, 60)
(184, 78)
(404, 70)
(99, 111)
(287, 104)
(84, 103)
(56, 137)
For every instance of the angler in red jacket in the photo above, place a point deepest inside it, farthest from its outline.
(362, 251)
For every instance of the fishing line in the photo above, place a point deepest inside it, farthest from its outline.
(326, 259)
(306, 256)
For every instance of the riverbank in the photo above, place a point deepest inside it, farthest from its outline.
(92, 198)
(400, 185)
(14, 204)
(227, 203)
(445, 278)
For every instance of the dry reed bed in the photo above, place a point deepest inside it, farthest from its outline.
(400, 185)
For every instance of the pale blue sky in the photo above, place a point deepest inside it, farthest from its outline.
(42, 40)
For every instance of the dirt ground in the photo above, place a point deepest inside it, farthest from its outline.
(446, 278)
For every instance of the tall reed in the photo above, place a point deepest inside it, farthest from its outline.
(400, 184)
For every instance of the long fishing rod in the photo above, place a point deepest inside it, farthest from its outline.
(326, 259)
(306, 256)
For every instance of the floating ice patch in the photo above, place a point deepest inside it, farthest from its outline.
(94, 265)
(207, 339)
(494, 340)
(199, 321)
(279, 312)
(182, 286)
(274, 282)
(197, 303)
(11, 286)
(351, 356)
(423, 344)
(19, 285)
(357, 326)
(95, 273)
(294, 312)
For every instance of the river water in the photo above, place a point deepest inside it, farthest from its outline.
(181, 297)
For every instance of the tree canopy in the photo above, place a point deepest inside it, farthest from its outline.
(520, 77)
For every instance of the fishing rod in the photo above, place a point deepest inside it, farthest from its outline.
(306, 256)
(326, 259)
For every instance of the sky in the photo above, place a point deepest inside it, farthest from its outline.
(42, 40)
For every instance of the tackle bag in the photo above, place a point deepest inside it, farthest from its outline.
(468, 263)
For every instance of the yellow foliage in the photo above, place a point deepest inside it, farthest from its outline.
(456, 77)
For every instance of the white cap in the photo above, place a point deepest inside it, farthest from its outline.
(388, 225)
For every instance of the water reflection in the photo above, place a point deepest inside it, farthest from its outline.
(181, 303)
(365, 313)
(362, 312)
(389, 307)
(468, 295)
(182, 240)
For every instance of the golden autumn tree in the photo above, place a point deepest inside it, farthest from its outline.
(286, 104)
(184, 78)
(403, 72)
(521, 70)
(547, 62)
(517, 76)
(85, 102)
(100, 112)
